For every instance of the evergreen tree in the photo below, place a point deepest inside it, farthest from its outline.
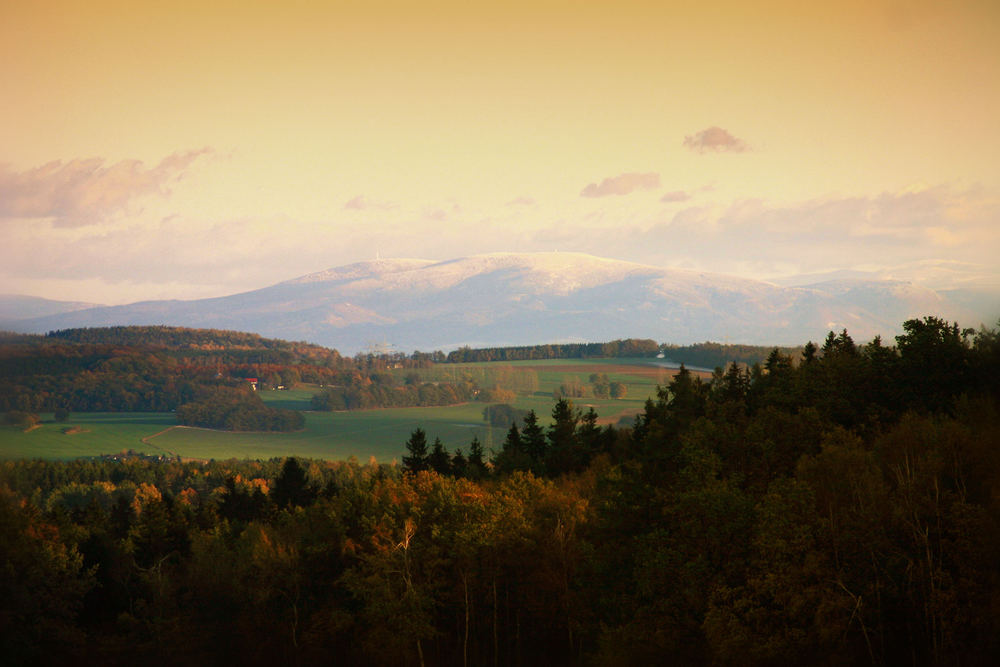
(459, 464)
(589, 434)
(687, 398)
(477, 464)
(512, 455)
(564, 454)
(291, 489)
(439, 459)
(809, 353)
(533, 442)
(417, 447)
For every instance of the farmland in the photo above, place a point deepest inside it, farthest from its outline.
(337, 435)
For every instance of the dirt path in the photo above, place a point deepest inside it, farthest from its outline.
(148, 438)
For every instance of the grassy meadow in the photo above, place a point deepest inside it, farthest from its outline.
(340, 435)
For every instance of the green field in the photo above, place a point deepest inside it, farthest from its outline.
(333, 435)
(99, 433)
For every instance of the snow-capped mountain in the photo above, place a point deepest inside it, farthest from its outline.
(513, 299)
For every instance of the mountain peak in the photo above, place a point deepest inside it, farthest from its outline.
(510, 298)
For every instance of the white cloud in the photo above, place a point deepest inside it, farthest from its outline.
(750, 237)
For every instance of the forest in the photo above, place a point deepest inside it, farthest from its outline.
(838, 507)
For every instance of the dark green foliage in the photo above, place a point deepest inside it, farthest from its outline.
(534, 442)
(503, 415)
(819, 513)
(512, 455)
(476, 467)
(42, 583)
(20, 418)
(600, 386)
(439, 460)
(265, 350)
(565, 451)
(416, 459)
(367, 392)
(710, 355)
(239, 503)
(291, 489)
(238, 410)
(631, 347)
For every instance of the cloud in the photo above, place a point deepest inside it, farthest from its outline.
(85, 191)
(750, 237)
(622, 185)
(675, 196)
(362, 203)
(715, 139)
(828, 233)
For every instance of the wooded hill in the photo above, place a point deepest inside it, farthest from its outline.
(159, 369)
(844, 509)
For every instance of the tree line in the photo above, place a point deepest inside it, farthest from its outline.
(839, 508)
(237, 409)
(630, 347)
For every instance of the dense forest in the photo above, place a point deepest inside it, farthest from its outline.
(838, 508)
(712, 355)
(631, 347)
(704, 355)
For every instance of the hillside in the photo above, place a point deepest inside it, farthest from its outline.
(507, 299)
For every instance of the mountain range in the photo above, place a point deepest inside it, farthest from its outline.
(528, 298)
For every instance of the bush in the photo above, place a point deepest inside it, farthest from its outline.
(496, 395)
(571, 388)
(61, 414)
(21, 419)
(503, 415)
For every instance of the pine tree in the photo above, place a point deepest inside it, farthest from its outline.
(533, 442)
(564, 453)
(459, 464)
(477, 464)
(589, 434)
(291, 489)
(417, 447)
(439, 459)
(512, 455)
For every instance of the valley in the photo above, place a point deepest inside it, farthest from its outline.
(360, 434)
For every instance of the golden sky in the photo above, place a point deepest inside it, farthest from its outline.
(194, 149)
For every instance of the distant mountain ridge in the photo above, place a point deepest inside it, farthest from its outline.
(529, 298)
(14, 307)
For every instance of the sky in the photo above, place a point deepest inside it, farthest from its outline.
(198, 149)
